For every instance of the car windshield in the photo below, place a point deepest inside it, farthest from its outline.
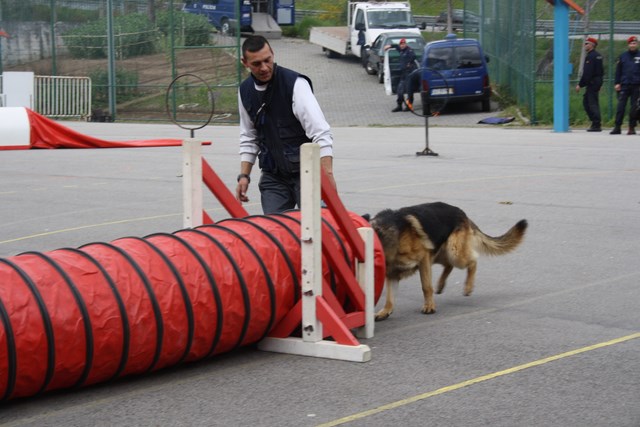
(468, 57)
(440, 58)
(415, 43)
(390, 19)
(446, 58)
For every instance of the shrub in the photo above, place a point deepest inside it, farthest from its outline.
(134, 35)
(303, 28)
(126, 86)
(189, 29)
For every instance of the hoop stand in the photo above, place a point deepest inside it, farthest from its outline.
(316, 309)
(427, 151)
(192, 197)
(319, 311)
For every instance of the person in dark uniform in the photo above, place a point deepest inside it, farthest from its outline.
(278, 113)
(592, 74)
(627, 84)
(407, 66)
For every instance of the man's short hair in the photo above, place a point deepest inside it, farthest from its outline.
(254, 44)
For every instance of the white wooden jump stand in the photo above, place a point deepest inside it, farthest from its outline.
(311, 343)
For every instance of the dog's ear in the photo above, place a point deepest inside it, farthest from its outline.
(367, 217)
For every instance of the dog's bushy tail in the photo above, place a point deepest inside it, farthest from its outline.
(510, 240)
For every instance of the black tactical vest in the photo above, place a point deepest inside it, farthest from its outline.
(280, 134)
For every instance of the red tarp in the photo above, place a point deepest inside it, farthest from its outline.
(47, 133)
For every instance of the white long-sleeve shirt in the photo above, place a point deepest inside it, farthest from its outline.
(305, 108)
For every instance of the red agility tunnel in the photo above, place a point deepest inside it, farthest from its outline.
(74, 317)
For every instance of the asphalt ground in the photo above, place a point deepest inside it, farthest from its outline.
(550, 336)
(351, 97)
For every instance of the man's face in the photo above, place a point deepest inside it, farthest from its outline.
(633, 46)
(403, 45)
(260, 63)
(588, 47)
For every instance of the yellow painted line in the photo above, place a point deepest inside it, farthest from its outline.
(104, 224)
(477, 380)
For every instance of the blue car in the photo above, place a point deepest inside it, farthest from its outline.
(455, 71)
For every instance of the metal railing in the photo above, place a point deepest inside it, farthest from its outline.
(58, 96)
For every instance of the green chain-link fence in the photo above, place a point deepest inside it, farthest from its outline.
(518, 37)
(151, 43)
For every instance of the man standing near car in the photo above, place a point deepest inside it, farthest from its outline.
(407, 66)
(627, 84)
(592, 74)
(278, 113)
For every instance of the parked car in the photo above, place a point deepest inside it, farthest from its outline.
(374, 54)
(455, 71)
(459, 18)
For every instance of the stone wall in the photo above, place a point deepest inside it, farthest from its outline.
(30, 41)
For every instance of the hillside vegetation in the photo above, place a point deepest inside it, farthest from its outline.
(624, 10)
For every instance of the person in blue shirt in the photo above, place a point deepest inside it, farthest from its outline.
(407, 66)
(591, 80)
(627, 84)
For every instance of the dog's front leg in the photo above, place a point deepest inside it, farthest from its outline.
(392, 288)
(429, 306)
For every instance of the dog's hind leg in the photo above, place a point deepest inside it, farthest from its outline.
(429, 305)
(392, 288)
(471, 277)
(442, 282)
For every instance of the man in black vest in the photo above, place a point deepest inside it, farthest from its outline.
(278, 113)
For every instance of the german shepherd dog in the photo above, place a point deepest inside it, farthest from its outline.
(416, 237)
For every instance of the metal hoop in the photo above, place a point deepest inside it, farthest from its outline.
(424, 96)
(171, 114)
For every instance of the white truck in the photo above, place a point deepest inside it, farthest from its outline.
(365, 19)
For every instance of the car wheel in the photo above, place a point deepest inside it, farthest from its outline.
(369, 68)
(486, 105)
(330, 53)
(380, 74)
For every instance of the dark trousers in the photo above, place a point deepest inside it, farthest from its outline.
(279, 194)
(591, 103)
(405, 85)
(627, 93)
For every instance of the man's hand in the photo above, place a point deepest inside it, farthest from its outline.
(243, 181)
(577, 88)
(241, 190)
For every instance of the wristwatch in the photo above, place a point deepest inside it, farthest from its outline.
(244, 175)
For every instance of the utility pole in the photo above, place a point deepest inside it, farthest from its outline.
(111, 59)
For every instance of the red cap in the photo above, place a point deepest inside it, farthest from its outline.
(632, 39)
(592, 41)
(403, 41)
